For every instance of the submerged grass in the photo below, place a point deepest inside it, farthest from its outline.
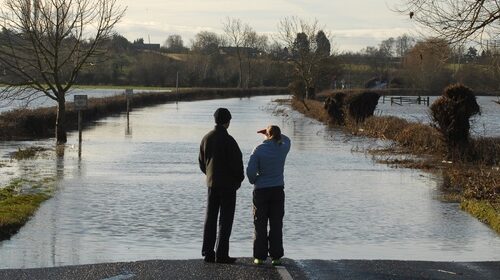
(486, 211)
(474, 179)
(19, 201)
(27, 153)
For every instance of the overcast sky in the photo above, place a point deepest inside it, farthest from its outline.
(354, 24)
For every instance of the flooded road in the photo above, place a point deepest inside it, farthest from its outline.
(137, 193)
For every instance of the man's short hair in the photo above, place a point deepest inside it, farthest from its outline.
(222, 116)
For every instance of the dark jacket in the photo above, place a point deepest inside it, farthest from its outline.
(221, 160)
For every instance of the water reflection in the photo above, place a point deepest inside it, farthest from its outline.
(143, 197)
(128, 129)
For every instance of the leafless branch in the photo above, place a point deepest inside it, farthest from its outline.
(45, 43)
(456, 20)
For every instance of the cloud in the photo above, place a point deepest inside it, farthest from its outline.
(159, 31)
(343, 39)
(349, 21)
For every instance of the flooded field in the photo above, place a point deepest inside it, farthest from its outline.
(44, 101)
(137, 193)
(486, 124)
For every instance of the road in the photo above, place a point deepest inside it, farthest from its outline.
(244, 269)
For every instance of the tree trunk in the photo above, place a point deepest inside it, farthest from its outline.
(61, 120)
(311, 93)
(248, 72)
(240, 81)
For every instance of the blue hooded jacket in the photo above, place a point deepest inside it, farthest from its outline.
(267, 163)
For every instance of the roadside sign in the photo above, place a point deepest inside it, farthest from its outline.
(80, 102)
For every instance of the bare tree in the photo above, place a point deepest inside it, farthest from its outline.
(299, 36)
(236, 32)
(254, 44)
(454, 20)
(207, 42)
(45, 43)
(403, 44)
(174, 43)
(205, 47)
(426, 65)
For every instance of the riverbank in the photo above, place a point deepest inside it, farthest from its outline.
(18, 202)
(474, 183)
(28, 124)
(398, 92)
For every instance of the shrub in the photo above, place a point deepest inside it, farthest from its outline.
(297, 89)
(362, 105)
(335, 107)
(451, 114)
(485, 150)
(420, 138)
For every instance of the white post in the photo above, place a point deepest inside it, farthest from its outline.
(177, 83)
(80, 103)
(79, 133)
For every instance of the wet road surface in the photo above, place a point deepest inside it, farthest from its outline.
(244, 269)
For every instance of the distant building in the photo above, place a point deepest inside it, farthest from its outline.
(140, 45)
(253, 52)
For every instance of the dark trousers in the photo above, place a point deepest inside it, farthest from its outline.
(268, 205)
(225, 202)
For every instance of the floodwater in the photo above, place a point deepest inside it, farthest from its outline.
(486, 124)
(44, 101)
(137, 193)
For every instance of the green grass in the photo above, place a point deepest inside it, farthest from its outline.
(19, 201)
(486, 211)
(357, 67)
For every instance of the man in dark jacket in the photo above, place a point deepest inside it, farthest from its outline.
(221, 160)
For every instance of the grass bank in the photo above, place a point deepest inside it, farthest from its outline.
(28, 124)
(18, 202)
(398, 92)
(473, 181)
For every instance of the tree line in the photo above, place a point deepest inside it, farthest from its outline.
(213, 60)
(46, 47)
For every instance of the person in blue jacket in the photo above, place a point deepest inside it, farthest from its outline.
(265, 172)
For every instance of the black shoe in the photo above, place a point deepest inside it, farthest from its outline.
(226, 260)
(209, 259)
